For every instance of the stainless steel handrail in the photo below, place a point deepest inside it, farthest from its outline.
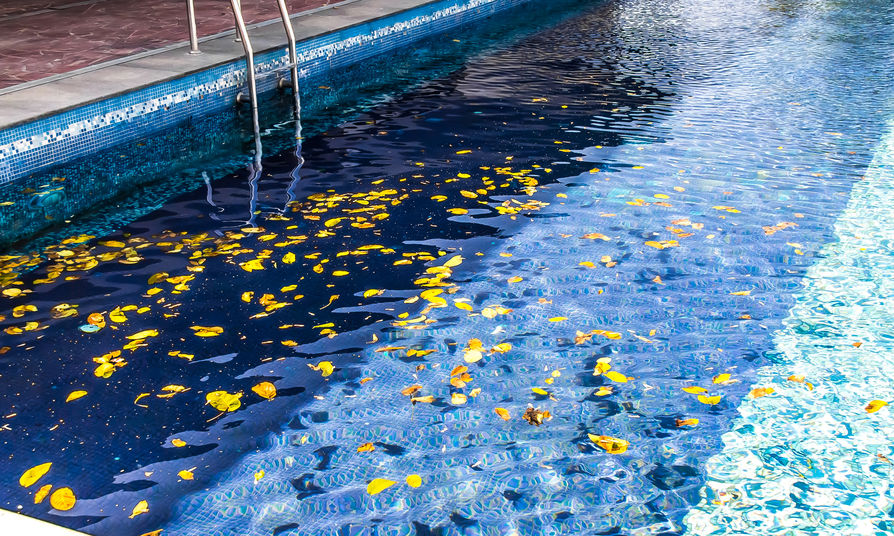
(250, 76)
(293, 62)
(193, 33)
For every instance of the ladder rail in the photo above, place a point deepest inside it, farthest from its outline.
(250, 76)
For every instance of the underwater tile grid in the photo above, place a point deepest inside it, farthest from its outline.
(625, 275)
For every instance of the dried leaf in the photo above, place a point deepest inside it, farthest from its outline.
(42, 493)
(686, 422)
(32, 475)
(761, 391)
(458, 399)
(74, 395)
(503, 413)
(63, 499)
(142, 507)
(378, 485)
(366, 447)
(875, 405)
(265, 390)
(612, 445)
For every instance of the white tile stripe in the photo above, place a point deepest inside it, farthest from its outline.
(12, 524)
(806, 462)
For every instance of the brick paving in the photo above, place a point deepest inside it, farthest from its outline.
(39, 38)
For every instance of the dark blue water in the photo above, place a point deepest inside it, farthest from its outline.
(693, 155)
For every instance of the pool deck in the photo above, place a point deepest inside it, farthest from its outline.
(17, 524)
(163, 57)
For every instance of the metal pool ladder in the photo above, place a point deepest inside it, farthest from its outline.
(251, 76)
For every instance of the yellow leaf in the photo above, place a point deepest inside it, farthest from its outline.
(178, 442)
(414, 481)
(142, 507)
(539, 391)
(247, 296)
(74, 395)
(740, 293)
(372, 292)
(259, 475)
(42, 493)
(366, 447)
(454, 261)
(160, 276)
(458, 399)
(143, 334)
(378, 485)
(206, 331)
(63, 499)
(185, 474)
(514, 279)
(265, 390)
(254, 264)
(875, 405)
(721, 378)
(32, 475)
(710, 400)
(340, 273)
(502, 348)
(325, 367)
(463, 305)
(288, 258)
(427, 399)
(472, 356)
(605, 390)
(686, 422)
(332, 222)
(588, 264)
(762, 391)
(503, 413)
(457, 211)
(695, 390)
(595, 236)
(558, 319)
(615, 376)
(224, 401)
(612, 445)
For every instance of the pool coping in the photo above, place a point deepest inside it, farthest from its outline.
(24, 103)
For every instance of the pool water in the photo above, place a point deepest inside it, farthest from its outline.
(662, 224)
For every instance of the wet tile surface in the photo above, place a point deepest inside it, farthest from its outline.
(41, 38)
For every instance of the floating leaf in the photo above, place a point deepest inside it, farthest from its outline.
(503, 413)
(686, 422)
(710, 400)
(224, 401)
(514, 279)
(501, 348)
(721, 378)
(741, 293)
(252, 265)
(535, 417)
(378, 485)
(178, 442)
(472, 356)
(372, 292)
(427, 399)
(42, 493)
(325, 367)
(558, 319)
(612, 445)
(539, 391)
(414, 481)
(203, 331)
(695, 390)
(74, 395)
(596, 236)
(411, 390)
(875, 405)
(160, 276)
(458, 399)
(185, 474)
(265, 390)
(366, 447)
(288, 258)
(32, 475)
(761, 391)
(615, 376)
(142, 507)
(63, 499)
(259, 475)
(143, 334)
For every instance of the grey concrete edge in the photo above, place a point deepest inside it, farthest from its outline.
(13, 524)
(24, 103)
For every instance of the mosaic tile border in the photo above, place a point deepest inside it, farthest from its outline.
(51, 141)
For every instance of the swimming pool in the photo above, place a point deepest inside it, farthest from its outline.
(662, 224)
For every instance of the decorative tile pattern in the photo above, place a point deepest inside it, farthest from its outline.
(37, 146)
